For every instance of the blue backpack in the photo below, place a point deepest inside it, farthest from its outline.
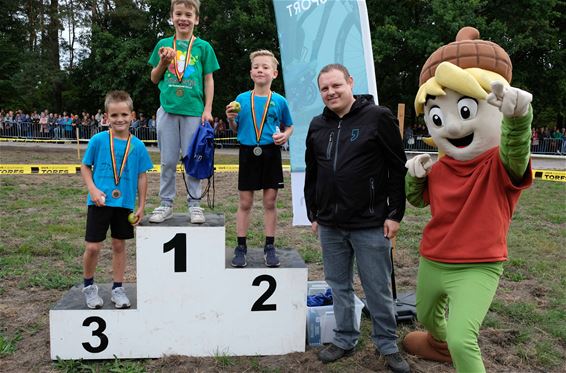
(199, 160)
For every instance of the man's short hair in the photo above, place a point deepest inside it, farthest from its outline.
(188, 3)
(265, 52)
(118, 96)
(334, 66)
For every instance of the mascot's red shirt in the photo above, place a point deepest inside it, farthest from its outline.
(472, 203)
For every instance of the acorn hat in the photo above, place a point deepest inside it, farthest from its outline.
(469, 51)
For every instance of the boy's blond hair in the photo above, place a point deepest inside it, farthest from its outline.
(118, 96)
(265, 52)
(188, 3)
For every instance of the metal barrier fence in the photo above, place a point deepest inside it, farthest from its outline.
(226, 138)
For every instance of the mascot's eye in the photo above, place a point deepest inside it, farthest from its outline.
(436, 116)
(468, 108)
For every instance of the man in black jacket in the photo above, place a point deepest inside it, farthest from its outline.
(355, 198)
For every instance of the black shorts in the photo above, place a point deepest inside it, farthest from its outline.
(98, 219)
(260, 172)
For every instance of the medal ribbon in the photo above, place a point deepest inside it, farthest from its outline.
(178, 73)
(259, 131)
(117, 176)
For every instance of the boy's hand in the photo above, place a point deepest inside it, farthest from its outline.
(166, 54)
(98, 197)
(279, 138)
(231, 112)
(139, 215)
(206, 116)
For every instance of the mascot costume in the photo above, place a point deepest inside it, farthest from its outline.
(482, 128)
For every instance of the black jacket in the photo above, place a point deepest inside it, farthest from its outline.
(355, 167)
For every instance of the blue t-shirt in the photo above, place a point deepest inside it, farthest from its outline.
(277, 114)
(98, 155)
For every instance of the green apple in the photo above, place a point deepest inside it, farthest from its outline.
(235, 106)
(132, 218)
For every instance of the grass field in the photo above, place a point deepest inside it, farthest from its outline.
(41, 244)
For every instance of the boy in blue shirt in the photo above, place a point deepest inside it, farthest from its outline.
(182, 67)
(113, 169)
(263, 124)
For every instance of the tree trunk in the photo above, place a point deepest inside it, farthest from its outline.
(52, 54)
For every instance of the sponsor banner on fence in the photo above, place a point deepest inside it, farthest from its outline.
(58, 169)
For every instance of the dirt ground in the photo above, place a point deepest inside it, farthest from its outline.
(28, 309)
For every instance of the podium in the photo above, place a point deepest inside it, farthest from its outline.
(189, 301)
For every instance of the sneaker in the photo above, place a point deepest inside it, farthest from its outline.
(332, 353)
(160, 214)
(119, 298)
(91, 295)
(197, 215)
(397, 363)
(239, 260)
(271, 259)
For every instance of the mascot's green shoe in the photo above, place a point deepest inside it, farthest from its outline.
(423, 345)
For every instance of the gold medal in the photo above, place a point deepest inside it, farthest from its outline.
(257, 151)
(116, 193)
(180, 92)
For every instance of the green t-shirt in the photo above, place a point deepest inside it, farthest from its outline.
(185, 97)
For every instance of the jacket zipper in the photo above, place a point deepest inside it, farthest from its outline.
(335, 159)
(371, 194)
(329, 147)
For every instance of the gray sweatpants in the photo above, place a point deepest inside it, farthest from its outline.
(174, 133)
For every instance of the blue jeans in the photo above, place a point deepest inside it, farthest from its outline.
(373, 256)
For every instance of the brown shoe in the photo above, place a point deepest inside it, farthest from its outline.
(423, 345)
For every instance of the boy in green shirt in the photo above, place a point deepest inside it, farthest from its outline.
(182, 68)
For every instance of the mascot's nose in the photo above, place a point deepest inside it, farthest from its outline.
(453, 127)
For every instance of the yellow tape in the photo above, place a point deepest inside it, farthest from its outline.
(550, 175)
(58, 169)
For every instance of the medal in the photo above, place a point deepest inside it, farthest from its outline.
(180, 92)
(259, 130)
(117, 176)
(178, 73)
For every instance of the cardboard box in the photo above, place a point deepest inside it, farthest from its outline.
(320, 320)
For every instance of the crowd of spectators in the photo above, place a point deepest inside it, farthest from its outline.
(67, 126)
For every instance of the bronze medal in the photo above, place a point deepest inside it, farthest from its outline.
(180, 92)
(257, 151)
(116, 193)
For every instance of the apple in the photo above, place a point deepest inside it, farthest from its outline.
(132, 218)
(235, 106)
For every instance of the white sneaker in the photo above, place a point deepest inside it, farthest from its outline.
(119, 298)
(197, 215)
(160, 214)
(91, 295)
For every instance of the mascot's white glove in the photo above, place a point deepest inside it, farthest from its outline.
(511, 101)
(419, 166)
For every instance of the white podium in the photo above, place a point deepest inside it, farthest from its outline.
(188, 300)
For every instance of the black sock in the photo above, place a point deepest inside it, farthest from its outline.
(116, 285)
(88, 281)
(242, 241)
(269, 241)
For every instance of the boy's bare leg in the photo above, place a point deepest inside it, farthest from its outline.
(269, 211)
(90, 258)
(244, 211)
(118, 259)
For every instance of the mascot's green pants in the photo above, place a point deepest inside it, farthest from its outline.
(467, 290)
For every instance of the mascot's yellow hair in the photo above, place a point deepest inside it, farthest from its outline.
(473, 82)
